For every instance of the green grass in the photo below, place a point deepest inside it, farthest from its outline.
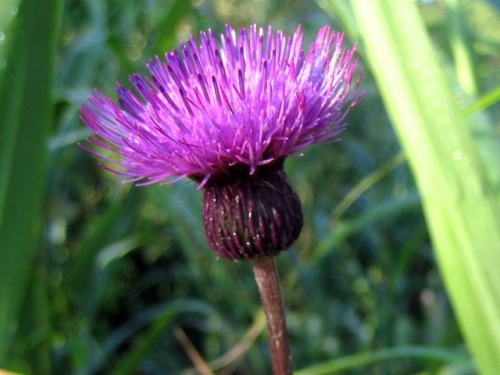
(26, 114)
(394, 273)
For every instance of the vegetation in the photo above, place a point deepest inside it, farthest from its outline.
(395, 271)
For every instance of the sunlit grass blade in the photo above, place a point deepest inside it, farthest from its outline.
(461, 46)
(357, 361)
(365, 184)
(461, 207)
(484, 101)
(25, 124)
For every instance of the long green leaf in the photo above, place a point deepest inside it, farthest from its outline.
(461, 207)
(461, 46)
(359, 360)
(25, 123)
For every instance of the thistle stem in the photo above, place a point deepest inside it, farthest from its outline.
(266, 276)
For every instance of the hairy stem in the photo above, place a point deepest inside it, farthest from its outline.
(267, 280)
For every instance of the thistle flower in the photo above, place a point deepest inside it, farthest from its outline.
(226, 114)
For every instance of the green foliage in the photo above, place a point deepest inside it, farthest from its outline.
(25, 124)
(117, 270)
(461, 204)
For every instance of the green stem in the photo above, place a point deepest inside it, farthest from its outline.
(266, 276)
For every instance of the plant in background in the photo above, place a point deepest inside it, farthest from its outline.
(226, 115)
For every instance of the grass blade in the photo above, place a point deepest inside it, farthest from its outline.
(359, 360)
(460, 204)
(25, 123)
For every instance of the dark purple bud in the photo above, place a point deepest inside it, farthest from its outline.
(251, 215)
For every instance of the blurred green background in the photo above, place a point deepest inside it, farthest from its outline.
(99, 277)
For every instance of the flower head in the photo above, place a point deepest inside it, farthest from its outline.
(226, 114)
(250, 99)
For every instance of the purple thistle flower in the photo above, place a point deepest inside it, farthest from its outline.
(219, 113)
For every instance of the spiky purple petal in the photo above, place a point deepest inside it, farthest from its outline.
(252, 98)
